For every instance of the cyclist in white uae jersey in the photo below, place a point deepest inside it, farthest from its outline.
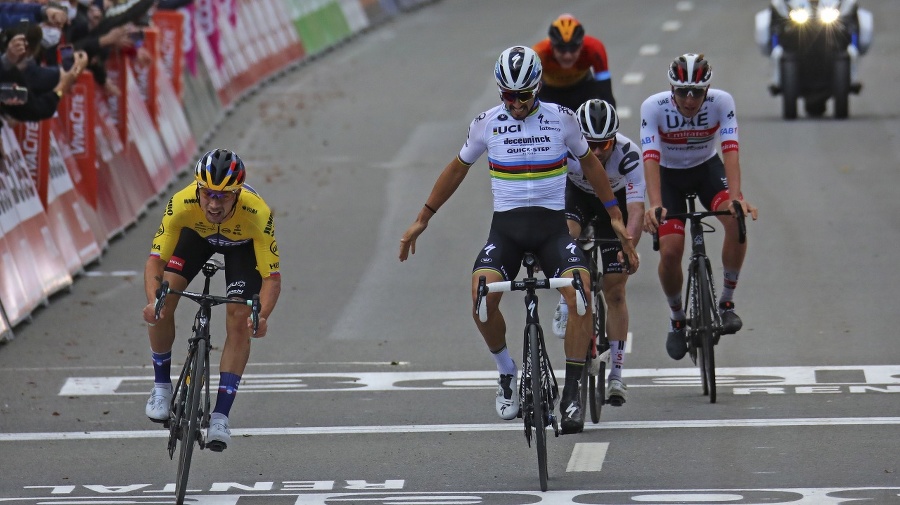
(622, 159)
(678, 132)
(526, 142)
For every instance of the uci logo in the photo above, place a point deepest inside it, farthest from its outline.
(500, 130)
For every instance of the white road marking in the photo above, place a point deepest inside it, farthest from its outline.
(671, 26)
(457, 428)
(649, 50)
(633, 78)
(587, 457)
(684, 6)
(742, 380)
(624, 112)
(113, 273)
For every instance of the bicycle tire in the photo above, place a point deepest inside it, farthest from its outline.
(191, 421)
(708, 324)
(539, 410)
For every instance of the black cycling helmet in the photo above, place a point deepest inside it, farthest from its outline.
(691, 70)
(598, 120)
(566, 31)
(220, 170)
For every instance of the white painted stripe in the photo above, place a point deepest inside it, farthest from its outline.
(633, 78)
(684, 6)
(624, 112)
(671, 26)
(587, 457)
(114, 273)
(214, 365)
(649, 50)
(444, 428)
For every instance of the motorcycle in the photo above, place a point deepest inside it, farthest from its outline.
(814, 48)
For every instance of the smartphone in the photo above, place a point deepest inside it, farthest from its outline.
(11, 91)
(137, 36)
(66, 56)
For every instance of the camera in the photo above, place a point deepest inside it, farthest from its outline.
(66, 56)
(12, 91)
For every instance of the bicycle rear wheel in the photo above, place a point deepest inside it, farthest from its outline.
(190, 422)
(539, 412)
(706, 321)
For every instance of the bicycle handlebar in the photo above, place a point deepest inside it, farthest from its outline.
(528, 284)
(742, 224)
(212, 300)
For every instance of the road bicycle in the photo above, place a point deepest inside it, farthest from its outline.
(538, 389)
(594, 374)
(189, 412)
(704, 325)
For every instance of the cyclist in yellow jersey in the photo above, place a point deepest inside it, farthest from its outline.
(217, 213)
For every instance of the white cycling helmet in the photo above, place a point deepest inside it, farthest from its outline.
(598, 120)
(518, 68)
(690, 69)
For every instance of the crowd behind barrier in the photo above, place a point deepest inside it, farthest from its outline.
(115, 130)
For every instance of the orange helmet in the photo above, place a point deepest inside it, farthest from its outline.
(566, 31)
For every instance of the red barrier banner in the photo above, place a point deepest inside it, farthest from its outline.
(34, 141)
(117, 202)
(85, 211)
(143, 144)
(117, 103)
(36, 242)
(174, 130)
(77, 132)
(170, 25)
(145, 73)
(20, 291)
(67, 213)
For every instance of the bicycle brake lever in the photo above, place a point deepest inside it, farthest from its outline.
(480, 306)
(656, 233)
(742, 223)
(160, 298)
(254, 313)
(580, 299)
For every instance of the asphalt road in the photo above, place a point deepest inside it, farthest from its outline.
(374, 386)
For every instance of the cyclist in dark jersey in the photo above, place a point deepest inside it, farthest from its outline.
(576, 68)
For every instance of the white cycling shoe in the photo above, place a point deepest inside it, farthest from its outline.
(218, 436)
(158, 404)
(507, 402)
(560, 320)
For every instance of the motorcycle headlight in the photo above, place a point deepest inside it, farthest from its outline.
(799, 15)
(828, 15)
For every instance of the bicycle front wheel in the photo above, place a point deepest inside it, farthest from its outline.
(190, 422)
(539, 412)
(707, 321)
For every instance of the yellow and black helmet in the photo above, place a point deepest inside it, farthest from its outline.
(566, 31)
(220, 170)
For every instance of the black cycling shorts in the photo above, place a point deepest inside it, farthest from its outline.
(536, 229)
(581, 207)
(575, 95)
(241, 276)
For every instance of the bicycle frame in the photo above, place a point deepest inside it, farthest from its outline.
(704, 322)
(187, 416)
(538, 388)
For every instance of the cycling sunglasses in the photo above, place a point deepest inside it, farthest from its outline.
(217, 195)
(689, 91)
(521, 96)
(603, 145)
(567, 48)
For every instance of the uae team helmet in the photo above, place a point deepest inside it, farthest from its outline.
(598, 120)
(690, 70)
(566, 31)
(518, 69)
(220, 170)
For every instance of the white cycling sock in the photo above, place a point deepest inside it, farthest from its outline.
(505, 363)
(616, 359)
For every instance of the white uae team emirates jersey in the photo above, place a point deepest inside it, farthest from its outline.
(676, 141)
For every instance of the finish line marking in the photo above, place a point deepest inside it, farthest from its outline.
(443, 428)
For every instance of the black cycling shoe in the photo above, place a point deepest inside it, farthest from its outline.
(676, 345)
(572, 415)
(731, 322)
